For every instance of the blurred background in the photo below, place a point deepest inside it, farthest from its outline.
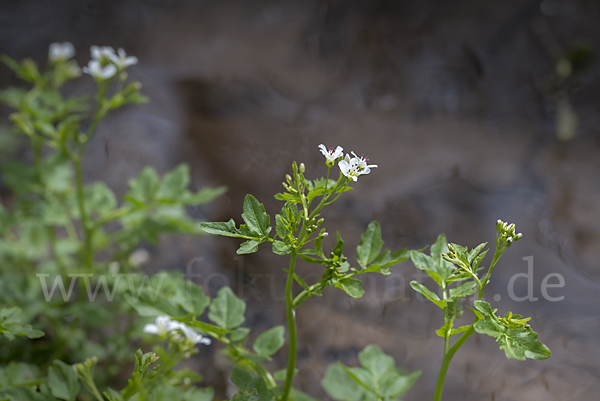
(474, 111)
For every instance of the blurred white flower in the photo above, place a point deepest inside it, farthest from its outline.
(114, 267)
(101, 53)
(164, 325)
(95, 69)
(122, 61)
(161, 326)
(355, 166)
(193, 335)
(139, 257)
(61, 51)
(330, 154)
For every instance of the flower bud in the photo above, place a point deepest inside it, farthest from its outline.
(320, 222)
(325, 234)
(302, 168)
(288, 178)
(517, 237)
(499, 225)
(511, 228)
(509, 241)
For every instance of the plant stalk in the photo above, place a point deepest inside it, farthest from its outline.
(446, 362)
(291, 320)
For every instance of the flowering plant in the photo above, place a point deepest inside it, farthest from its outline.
(59, 226)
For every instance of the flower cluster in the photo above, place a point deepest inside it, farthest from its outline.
(164, 325)
(105, 63)
(506, 232)
(352, 167)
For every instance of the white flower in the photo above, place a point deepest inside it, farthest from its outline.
(330, 154)
(139, 257)
(122, 61)
(193, 335)
(95, 69)
(355, 166)
(162, 325)
(101, 53)
(61, 51)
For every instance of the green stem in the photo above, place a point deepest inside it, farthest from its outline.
(446, 319)
(87, 232)
(291, 320)
(446, 362)
(497, 254)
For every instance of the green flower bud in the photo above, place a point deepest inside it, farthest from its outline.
(320, 222)
(499, 225)
(302, 168)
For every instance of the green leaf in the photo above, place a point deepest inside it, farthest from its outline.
(239, 333)
(387, 258)
(227, 229)
(247, 383)
(203, 196)
(280, 248)
(256, 218)
(475, 251)
(297, 395)
(351, 286)
(174, 183)
(142, 189)
(249, 246)
(433, 297)
(377, 379)
(192, 298)
(99, 199)
(340, 386)
(227, 310)
(515, 337)
(23, 394)
(447, 328)
(281, 374)
(63, 381)
(11, 324)
(270, 341)
(370, 244)
(463, 290)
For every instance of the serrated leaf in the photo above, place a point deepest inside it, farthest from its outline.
(370, 244)
(427, 293)
(11, 324)
(227, 229)
(517, 339)
(463, 290)
(377, 379)
(255, 216)
(387, 258)
(143, 188)
(227, 310)
(475, 251)
(447, 328)
(174, 183)
(280, 248)
(270, 341)
(63, 381)
(351, 286)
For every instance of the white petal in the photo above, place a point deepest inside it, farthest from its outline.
(151, 328)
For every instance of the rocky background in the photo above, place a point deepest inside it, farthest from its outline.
(473, 111)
